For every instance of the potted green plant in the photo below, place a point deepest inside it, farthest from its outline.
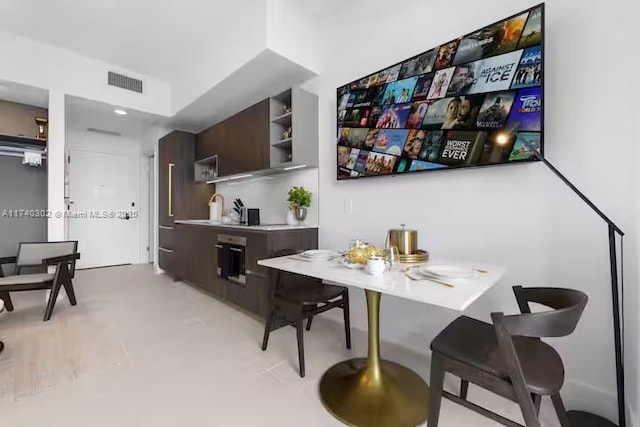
(299, 201)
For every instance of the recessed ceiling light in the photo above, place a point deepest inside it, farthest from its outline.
(120, 112)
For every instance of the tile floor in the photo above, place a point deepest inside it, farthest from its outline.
(141, 350)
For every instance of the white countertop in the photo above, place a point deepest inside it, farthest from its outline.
(396, 283)
(266, 227)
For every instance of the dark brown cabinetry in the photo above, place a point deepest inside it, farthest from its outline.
(197, 259)
(241, 141)
(179, 197)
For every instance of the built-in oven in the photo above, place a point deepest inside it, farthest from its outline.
(231, 258)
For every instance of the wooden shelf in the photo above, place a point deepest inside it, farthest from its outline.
(283, 119)
(21, 140)
(283, 143)
(208, 160)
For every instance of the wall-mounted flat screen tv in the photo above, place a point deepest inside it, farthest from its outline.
(469, 102)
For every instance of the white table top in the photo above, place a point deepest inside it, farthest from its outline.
(396, 283)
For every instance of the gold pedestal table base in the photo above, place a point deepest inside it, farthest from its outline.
(372, 392)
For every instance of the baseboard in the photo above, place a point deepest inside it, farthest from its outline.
(584, 397)
(633, 419)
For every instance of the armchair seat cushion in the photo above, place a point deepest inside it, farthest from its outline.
(26, 279)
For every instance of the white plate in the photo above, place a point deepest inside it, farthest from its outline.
(448, 271)
(318, 254)
(353, 265)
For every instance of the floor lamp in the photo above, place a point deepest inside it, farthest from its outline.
(580, 418)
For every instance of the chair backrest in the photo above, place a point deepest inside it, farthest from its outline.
(567, 305)
(285, 280)
(31, 254)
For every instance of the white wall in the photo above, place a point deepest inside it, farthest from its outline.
(518, 216)
(212, 62)
(41, 65)
(286, 18)
(269, 194)
(55, 166)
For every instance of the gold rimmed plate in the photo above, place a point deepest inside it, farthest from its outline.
(420, 256)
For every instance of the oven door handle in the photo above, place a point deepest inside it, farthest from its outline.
(236, 250)
(255, 273)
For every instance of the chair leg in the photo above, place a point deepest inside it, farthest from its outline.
(1, 346)
(309, 323)
(537, 400)
(464, 389)
(528, 409)
(267, 328)
(436, 384)
(560, 410)
(68, 287)
(53, 296)
(6, 297)
(347, 321)
(300, 334)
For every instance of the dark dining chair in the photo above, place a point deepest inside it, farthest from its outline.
(508, 357)
(295, 298)
(40, 256)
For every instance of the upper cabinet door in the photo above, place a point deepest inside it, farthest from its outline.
(241, 141)
(212, 142)
(252, 137)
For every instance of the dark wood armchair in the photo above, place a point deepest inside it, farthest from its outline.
(508, 357)
(295, 298)
(41, 255)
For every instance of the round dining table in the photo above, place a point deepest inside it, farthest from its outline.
(371, 391)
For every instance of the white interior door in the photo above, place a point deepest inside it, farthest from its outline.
(102, 189)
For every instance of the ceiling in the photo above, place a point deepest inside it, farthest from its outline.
(22, 94)
(83, 114)
(263, 76)
(147, 36)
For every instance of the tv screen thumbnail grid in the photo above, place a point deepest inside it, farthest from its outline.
(449, 107)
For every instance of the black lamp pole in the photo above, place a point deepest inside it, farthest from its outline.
(580, 418)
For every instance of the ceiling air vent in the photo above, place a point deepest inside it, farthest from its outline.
(124, 82)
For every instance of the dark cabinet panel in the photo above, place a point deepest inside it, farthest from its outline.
(241, 141)
(196, 257)
(167, 159)
(213, 141)
(165, 237)
(167, 260)
(249, 136)
(179, 197)
(195, 247)
(254, 296)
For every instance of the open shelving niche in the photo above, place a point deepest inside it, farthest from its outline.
(280, 121)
